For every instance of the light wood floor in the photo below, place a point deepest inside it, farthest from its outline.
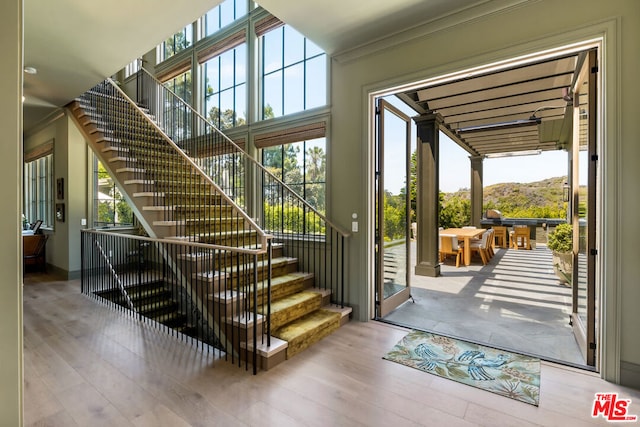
(86, 365)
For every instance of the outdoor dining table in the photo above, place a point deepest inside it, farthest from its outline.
(465, 234)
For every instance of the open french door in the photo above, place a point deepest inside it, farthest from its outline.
(392, 218)
(583, 207)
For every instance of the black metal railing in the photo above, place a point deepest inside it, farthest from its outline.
(206, 294)
(304, 232)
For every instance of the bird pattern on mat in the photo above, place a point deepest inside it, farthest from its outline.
(429, 358)
(475, 361)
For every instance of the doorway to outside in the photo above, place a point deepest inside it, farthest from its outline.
(515, 301)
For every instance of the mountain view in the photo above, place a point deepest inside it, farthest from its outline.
(541, 199)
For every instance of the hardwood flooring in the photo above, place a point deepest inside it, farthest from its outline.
(86, 365)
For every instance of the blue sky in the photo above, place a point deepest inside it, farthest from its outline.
(521, 169)
(455, 165)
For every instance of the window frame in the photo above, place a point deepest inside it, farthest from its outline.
(285, 67)
(96, 200)
(39, 199)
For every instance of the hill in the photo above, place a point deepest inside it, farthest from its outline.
(533, 199)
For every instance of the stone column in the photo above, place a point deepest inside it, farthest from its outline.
(476, 190)
(427, 189)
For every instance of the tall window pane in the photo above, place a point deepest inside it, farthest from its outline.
(224, 14)
(180, 128)
(316, 82)
(39, 198)
(110, 209)
(225, 88)
(176, 43)
(294, 88)
(302, 166)
(294, 73)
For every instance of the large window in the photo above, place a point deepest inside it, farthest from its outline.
(132, 67)
(110, 209)
(181, 86)
(225, 96)
(223, 15)
(302, 166)
(180, 125)
(38, 194)
(176, 43)
(294, 73)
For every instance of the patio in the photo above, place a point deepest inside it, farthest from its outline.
(515, 302)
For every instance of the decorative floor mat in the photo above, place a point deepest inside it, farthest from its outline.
(502, 372)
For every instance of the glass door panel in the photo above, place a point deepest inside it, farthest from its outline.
(583, 218)
(392, 208)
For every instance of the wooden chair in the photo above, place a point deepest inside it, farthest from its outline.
(520, 237)
(33, 251)
(501, 239)
(482, 247)
(449, 246)
(490, 242)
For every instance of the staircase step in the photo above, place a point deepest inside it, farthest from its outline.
(304, 332)
(141, 294)
(172, 319)
(206, 261)
(279, 266)
(286, 310)
(159, 307)
(285, 285)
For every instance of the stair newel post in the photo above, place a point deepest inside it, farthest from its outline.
(83, 267)
(269, 272)
(342, 272)
(138, 261)
(255, 313)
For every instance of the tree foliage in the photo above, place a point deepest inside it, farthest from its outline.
(114, 210)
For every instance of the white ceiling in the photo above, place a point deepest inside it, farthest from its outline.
(341, 25)
(75, 44)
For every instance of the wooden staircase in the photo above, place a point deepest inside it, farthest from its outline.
(175, 201)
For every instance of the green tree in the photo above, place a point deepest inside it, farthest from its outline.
(455, 211)
(315, 163)
(226, 119)
(176, 43)
(395, 214)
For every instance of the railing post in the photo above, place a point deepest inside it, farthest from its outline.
(342, 273)
(255, 314)
(83, 267)
(269, 258)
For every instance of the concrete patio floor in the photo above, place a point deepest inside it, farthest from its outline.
(514, 303)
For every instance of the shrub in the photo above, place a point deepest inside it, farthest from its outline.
(560, 239)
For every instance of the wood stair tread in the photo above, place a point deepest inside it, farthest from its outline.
(308, 330)
(292, 307)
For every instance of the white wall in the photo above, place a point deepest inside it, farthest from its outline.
(11, 196)
(524, 29)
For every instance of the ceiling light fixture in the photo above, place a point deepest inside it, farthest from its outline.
(30, 70)
(513, 154)
(503, 125)
(544, 108)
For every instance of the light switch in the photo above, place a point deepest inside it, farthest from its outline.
(83, 221)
